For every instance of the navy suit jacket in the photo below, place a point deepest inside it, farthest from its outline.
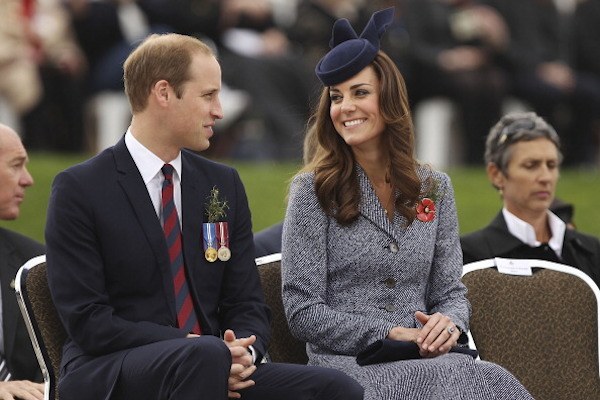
(15, 250)
(109, 270)
(579, 250)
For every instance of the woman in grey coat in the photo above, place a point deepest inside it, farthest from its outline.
(371, 250)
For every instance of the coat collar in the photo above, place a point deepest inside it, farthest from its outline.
(370, 206)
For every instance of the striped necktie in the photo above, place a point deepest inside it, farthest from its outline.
(4, 373)
(186, 316)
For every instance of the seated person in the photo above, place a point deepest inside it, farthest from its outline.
(268, 240)
(370, 245)
(523, 163)
(151, 308)
(20, 372)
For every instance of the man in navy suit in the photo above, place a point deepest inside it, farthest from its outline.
(15, 250)
(120, 226)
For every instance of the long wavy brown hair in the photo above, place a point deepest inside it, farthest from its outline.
(332, 160)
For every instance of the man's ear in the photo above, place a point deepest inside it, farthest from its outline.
(161, 92)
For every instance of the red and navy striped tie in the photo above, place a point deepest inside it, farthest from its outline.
(186, 316)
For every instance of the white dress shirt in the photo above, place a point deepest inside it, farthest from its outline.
(525, 232)
(149, 165)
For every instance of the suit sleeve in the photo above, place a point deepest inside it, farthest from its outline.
(77, 278)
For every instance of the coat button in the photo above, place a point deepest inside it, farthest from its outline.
(390, 283)
(393, 247)
(390, 308)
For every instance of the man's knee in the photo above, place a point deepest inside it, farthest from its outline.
(207, 352)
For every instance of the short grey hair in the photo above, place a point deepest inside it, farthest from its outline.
(513, 128)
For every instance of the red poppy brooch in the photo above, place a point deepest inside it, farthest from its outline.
(426, 206)
(426, 210)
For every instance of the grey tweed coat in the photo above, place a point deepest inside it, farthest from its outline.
(346, 287)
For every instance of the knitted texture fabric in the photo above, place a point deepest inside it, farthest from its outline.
(345, 287)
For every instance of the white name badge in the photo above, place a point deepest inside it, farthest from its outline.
(512, 266)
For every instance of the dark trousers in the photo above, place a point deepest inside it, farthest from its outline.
(198, 369)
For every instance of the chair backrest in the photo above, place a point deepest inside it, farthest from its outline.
(543, 328)
(283, 347)
(45, 328)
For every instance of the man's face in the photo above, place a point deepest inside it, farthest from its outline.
(196, 112)
(14, 177)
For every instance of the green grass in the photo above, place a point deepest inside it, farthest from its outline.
(267, 184)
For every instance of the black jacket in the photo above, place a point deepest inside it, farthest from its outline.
(15, 250)
(579, 250)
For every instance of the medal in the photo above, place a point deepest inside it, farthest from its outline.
(210, 254)
(210, 251)
(224, 253)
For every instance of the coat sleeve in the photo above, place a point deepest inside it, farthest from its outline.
(446, 292)
(305, 274)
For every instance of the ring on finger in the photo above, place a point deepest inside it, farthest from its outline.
(450, 330)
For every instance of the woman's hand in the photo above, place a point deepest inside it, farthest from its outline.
(404, 334)
(438, 334)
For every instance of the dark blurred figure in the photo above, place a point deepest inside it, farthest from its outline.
(564, 211)
(311, 29)
(257, 58)
(541, 62)
(586, 44)
(455, 50)
(109, 30)
(268, 241)
(41, 68)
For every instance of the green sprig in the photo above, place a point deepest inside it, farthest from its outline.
(215, 208)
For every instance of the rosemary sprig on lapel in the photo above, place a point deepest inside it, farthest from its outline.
(215, 208)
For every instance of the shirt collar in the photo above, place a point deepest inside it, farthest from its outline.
(148, 163)
(525, 232)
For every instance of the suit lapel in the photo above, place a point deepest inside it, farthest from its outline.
(133, 185)
(193, 198)
(195, 189)
(498, 238)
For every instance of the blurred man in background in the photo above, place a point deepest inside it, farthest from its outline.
(18, 365)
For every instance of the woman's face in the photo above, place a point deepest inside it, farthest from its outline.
(355, 110)
(530, 181)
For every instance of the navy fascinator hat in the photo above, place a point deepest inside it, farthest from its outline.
(350, 53)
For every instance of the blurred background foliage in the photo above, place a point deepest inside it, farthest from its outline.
(267, 185)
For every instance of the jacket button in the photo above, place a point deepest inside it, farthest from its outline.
(393, 247)
(390, 283)
(390, 308)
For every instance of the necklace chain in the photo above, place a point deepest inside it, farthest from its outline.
(389, 201)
